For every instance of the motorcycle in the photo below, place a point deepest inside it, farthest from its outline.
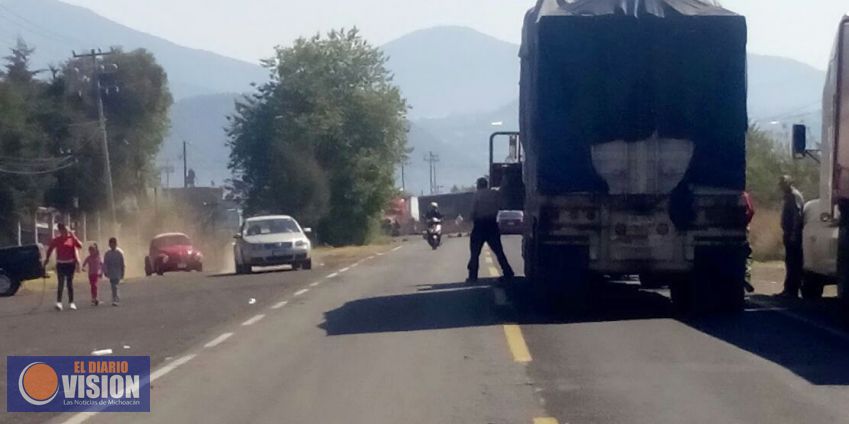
(433, 234)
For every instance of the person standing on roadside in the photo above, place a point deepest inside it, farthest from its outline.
(66, 246)
(791, 225)
(113, 268)
(485, 230)
(750, 215)
(94, 265)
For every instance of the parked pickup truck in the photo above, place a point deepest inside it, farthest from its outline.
(825, 238)
(18, 264)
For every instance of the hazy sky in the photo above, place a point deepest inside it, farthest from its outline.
(248, 29)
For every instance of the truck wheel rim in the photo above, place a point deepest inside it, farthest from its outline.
(5, 284)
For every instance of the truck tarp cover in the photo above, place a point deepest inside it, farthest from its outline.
(595, 71)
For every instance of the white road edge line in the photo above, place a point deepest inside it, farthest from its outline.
(315, 283)
(82, 417)
(334, 275)
(161, 372)
(254, 320)
(346, 269)
(218, 340)
(279, 305)
(370, 258)
(828, 329)
(79, 418)
(397, 249)
(301, 292)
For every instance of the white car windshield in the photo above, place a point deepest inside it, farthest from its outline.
(511, 215)
(271, 226)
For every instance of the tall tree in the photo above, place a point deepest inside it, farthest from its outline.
(321, 140)
(136, 97)
(18, 63)
(22, 138)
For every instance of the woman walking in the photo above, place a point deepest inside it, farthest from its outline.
(66, 246)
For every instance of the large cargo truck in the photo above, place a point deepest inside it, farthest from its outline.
(826, 231)
(633, 126)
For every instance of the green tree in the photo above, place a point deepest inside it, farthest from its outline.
(136, 98)
(767, 162)
(44, 120)
(22, 139)
(321, 140)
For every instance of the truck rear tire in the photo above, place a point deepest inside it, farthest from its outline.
(529, 257)
(716, 284)
(8, 286)
(812, 286)
(652, 281)
(843, 262)
(561, 278)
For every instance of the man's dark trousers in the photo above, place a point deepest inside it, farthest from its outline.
(486, 231)
(793, 263)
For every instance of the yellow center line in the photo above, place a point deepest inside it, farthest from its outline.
(545, 420)
(493, 271)
(516, 342)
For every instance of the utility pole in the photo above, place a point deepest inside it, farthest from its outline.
(403, 176)
(168, 170)
(432, 159)
(185, 167)
(94, 55)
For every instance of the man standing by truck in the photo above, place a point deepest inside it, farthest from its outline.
(791, 225)
(484, 212)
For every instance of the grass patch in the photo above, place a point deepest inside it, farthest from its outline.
(766, 237)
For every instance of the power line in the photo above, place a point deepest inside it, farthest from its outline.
(37, 28)
(43, 172)
(793, 113)
(22, 168)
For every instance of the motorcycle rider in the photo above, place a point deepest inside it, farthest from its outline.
(434, 214)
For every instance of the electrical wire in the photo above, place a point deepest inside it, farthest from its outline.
(34, 166)
(37, 28)
(33, 172)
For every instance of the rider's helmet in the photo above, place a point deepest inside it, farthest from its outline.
(434, 205)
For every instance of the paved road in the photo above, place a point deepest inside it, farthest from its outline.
(400, 338)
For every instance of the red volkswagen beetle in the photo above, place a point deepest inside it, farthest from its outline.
(172, 252)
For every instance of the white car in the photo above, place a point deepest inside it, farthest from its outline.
(272, 241)
(819, 243)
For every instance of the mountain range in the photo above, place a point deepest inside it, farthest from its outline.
(56, 29)
(457, 81)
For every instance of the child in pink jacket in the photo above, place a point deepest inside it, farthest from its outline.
(94, 264)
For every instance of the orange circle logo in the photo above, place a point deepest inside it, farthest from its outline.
(38, 383)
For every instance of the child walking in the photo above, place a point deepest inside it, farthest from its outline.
(113, 268)
(94, 265)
